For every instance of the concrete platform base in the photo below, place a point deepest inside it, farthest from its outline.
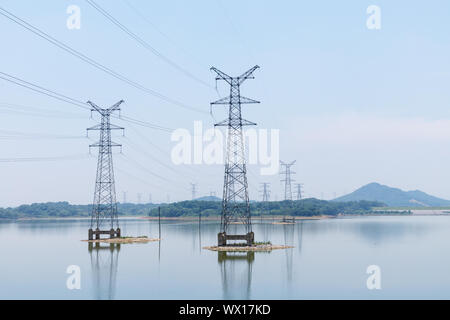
(222, 238)
(97, 233)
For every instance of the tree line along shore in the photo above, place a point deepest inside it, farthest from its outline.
(193, 208)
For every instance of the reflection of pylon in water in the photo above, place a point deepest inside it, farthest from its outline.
(300, 236)
(104, 262)
(289, 241)
(236, 272)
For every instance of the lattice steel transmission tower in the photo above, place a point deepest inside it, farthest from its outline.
(235, 201)
(194, 190)
(299, 193)
(287, 179)
(265, 191)
(104, 210)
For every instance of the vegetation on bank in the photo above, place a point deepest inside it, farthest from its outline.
(411, 208)
(66, 210)
(305, 208)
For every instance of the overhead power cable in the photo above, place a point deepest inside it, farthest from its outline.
(92, 62)
(144, 43)
(43, 159)
(75, 102)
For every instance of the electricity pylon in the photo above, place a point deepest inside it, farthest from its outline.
(194, 190)
(287, 179)
(299, 194)
(104, 210)
(265, 191)
(235, 201)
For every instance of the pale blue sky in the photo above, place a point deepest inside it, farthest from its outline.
(353, 105)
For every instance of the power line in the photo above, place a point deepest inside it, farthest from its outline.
(143, 151)
(75, 102)
(5, 134)
(44, 159)
(42, 90)
(143, 168)
(150, 23)
(144, 43)
(90, 61)
(33, 111)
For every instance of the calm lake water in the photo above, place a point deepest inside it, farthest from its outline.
(329, 261)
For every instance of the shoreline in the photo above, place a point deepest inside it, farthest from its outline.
(255, 219)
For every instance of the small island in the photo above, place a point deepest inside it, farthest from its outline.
(124, 240)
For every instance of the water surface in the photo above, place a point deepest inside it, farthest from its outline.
(329, 261)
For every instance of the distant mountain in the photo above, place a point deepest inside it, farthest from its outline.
(394, 197)
(208, 198)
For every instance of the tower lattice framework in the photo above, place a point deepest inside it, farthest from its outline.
(265, 191)
(287, 172)
(104, 218)
(235, 201)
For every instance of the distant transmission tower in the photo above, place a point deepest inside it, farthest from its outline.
(124, 197)
(265, 191)
(287, 179)
(194, 190)
(149, 198)
(235, 201)
(104, 210)
(139, 198)
(299, 194)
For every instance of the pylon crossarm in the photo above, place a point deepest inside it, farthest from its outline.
(96, 127)
(95, 107)
(116, 107)
(245, 100)
(247, 75)
(225, 100)
(222, 75)
(115, 127)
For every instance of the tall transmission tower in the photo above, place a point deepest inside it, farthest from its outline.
(235, 201)
(287, 179)
(149, 198)
(265, 191)
(104, 210)
(139, 198)
(124, 193)
(194, 190)
(299, 193)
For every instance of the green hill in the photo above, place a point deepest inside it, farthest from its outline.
(394, 197)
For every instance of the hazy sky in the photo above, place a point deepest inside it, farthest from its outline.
(353, 105)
